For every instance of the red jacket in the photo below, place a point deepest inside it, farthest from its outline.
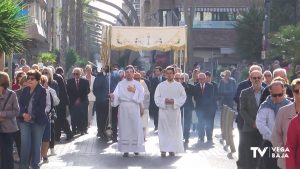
(293, 143)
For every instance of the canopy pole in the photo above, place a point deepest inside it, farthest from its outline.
(185, 50)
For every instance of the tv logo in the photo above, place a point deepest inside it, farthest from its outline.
(257, 149)
(273, 152)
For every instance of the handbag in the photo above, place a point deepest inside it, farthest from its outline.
(5, 103)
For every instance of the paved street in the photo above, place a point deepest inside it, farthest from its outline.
(88, 152)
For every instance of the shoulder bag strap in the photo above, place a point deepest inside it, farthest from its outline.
(10, 93)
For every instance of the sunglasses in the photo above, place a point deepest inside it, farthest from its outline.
(277, 95)
(297, 91)
(256, 78)
(30, 78)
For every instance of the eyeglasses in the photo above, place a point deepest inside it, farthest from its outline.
(277, 95)
(30, 78)
(297, 91)
(256, 78)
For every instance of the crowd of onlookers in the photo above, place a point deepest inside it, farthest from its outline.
(33, 111)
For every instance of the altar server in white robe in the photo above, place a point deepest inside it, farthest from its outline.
(145, 104)
(169, 97)
(129, 94)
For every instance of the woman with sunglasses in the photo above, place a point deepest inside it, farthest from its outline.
(33, 120)
(293, 143)
(283, 118)
(266, 115)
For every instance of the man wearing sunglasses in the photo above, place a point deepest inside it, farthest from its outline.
(266, 116)
(249, 104)
(279, 72)
(78, 89)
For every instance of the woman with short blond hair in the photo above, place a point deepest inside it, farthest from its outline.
(9, 109)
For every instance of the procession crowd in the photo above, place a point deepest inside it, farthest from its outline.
(33, 112)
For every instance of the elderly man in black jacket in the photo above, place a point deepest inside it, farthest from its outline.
(204, 97)
(78, 89)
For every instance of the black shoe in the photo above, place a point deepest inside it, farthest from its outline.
(114, 140)
(209, 140)
(126, 155)
(69, 137)
(200, 140)
(136, 154)
(163, 154)
(171, 154)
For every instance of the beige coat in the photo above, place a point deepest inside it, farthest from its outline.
(285, 114)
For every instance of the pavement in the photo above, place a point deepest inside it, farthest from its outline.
(89, 152)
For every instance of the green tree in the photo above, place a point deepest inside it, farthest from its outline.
(12, 26)
(47, 58)
(285, 44)
(71, 58)
(249, 34)
(283, 12)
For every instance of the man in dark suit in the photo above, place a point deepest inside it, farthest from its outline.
(78, 90)
(100, 90)
(153, 110)
(249, 104)
(204, 96)
(61, 123)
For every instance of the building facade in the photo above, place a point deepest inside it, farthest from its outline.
(44, 28)
(213, 34)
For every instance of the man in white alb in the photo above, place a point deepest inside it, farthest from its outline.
(129, 94)
(169, 97)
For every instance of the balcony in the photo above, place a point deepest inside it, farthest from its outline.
(36, 31)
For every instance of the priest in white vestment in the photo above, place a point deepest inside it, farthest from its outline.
(129, 94)
(169, 97)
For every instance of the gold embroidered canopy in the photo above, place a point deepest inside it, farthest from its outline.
(145, 38)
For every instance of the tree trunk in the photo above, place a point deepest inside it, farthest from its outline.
(64, 32)
(72, 24)
(297, 11)
(2, 61)
(189, 11)
(79, 28)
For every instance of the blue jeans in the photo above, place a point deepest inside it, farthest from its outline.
(6, 146)
(31, 140)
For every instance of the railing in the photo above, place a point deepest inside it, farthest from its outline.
(227, 119)
(214, 24)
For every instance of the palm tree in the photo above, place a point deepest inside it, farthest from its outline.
(12, 28)
(189, 11)
(72, 24)
(79, 27)
(64, 32)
